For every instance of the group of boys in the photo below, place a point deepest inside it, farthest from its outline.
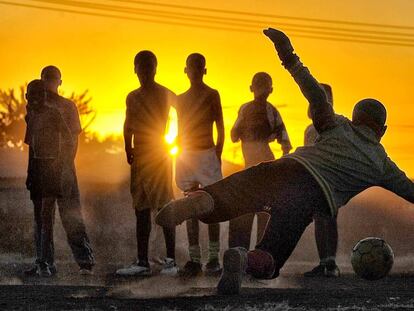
(341, 158)
(52, 130)
(199, 161)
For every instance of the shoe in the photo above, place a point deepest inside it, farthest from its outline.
(169, 267)
(136, 269)
(43, 271)
(197, 204)
(53, 269)
(234, 267)
(213, 268)
(85, 271)
(31, 271)
(191, 269)
(332, 270)
(324, 270)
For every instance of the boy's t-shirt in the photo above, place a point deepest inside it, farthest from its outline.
(45, 129)
(258, 122)
(348, 159)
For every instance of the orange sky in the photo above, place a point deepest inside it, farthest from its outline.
(96, 53)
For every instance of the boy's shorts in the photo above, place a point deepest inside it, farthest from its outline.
(196, 168)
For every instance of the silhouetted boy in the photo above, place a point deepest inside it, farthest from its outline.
(46, 136)
(326, 229)
(69, 199)
(147, 110)
(258, 123)
(346, 159)
(199, 162)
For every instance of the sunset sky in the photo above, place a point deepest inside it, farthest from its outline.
(96, 53)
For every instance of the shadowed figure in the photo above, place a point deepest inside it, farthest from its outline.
(147, 110)
(199, 162)
(258, 123)
(326, 228)
(51, 174)
(346, 159)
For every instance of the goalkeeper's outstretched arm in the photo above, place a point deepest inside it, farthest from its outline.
(322, 113)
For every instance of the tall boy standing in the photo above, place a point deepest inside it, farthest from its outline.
(151, 171)
(199, 163)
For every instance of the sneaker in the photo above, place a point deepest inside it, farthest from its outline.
(31, 271)
(332, 270)
(191, 269)
(213, 268)
(324, 270)
(53, 269)
(136, 269)
(43, 271)
(169, 267)
(234, 267)
(196, 204)
(85, 271)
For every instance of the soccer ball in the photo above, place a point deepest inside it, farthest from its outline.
(372, 258)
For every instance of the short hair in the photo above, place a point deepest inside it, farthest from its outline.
(196, 60)
(36, 85)
(370, 110)
(328, 91)
(262, 78)
(146, 58)
(50, 72)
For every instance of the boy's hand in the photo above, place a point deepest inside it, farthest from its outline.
(281, 41)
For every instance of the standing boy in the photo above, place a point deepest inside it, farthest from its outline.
(258, 123)
(147, 110)
(199, 163)
(50, 142)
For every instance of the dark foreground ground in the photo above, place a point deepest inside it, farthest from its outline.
(103, 291)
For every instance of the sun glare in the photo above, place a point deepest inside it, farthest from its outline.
(171, 133)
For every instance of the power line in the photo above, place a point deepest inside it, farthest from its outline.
(316, 20)
(201, 18)
(295, 33)
(226, 20)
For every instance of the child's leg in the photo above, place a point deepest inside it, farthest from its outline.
(143, 231)
(72, 221)
(46, 240)
(214, 242)
(37, 210)
(193, 233)
(169, 237)
(240, 230)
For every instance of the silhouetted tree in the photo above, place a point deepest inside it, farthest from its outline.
(13, 109)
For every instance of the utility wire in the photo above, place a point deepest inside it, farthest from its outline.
(315, 20)
(224, 20)
(208, 26)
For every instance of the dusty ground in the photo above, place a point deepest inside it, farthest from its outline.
(103, 291)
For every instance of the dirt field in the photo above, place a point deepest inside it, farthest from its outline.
(104, 291)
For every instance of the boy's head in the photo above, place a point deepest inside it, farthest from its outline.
(261, 85)
(329, 96)
(51, 77)
(145, 66)
(36, 93)
(195, 67)
(370, 112)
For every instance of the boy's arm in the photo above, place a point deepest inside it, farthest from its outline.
(396, 181)
(323, 116)
(279, 132)
(235, 130)
(128, 132)
(219, 125)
